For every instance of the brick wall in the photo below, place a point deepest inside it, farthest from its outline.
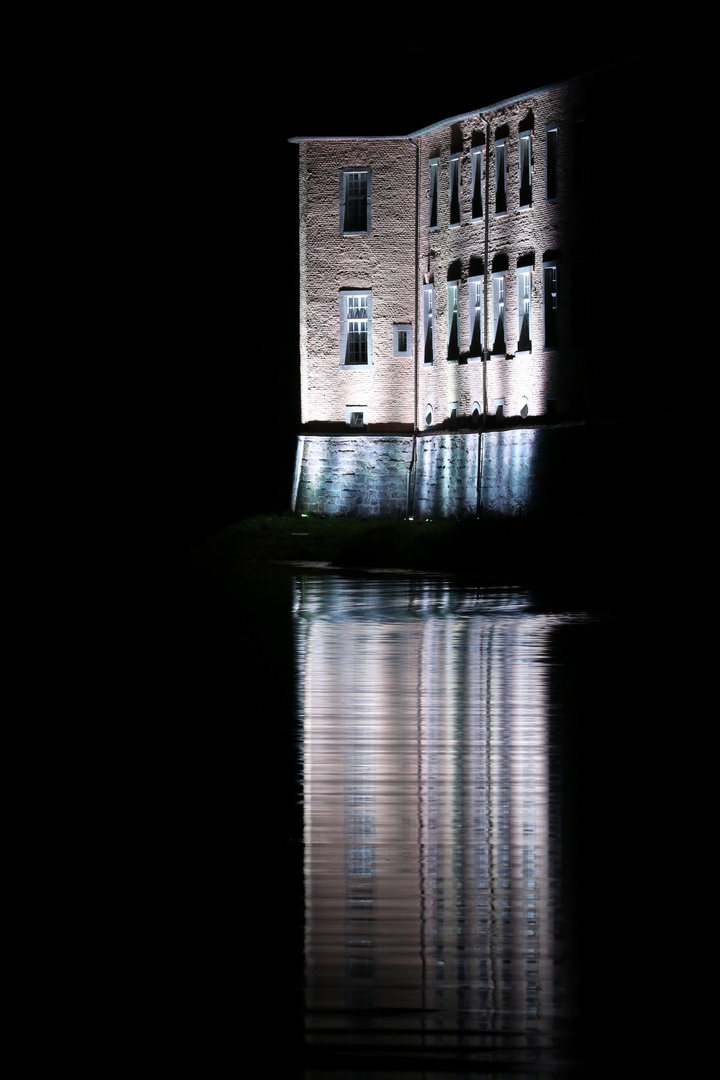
(383, 262)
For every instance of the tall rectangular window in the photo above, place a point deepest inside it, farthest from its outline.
(355, 201)
(477, 183)
(452, 314)
(500, 169)
(551, 163)
(525, 169)
(524, 294)
(355, 328)
(498, 286)
(428, 335)
(550, 305)
(475, 305)
(433, 192)
(454, 190)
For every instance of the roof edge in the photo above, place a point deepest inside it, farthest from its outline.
(442, 123)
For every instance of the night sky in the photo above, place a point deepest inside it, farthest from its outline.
(212, 213)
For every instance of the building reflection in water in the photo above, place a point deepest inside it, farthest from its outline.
(433, 900)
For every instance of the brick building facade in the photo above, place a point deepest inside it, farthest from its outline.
(446, 279)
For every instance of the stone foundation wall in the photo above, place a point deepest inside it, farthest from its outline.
(353, 475)
(451, 474)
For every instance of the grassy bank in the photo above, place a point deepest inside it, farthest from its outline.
(526, 550)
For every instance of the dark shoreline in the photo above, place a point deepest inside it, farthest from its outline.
(584, 559)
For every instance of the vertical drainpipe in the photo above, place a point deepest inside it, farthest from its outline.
(411, 470)
(481, 435)
(487, 252)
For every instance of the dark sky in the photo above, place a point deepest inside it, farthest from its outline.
(212, 224)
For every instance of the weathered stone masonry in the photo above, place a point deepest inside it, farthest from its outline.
(444, 284)
(449, 474)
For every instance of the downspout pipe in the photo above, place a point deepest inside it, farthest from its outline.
(487, 253)
(411, 470)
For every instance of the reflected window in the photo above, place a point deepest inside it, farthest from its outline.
(477, 183)
(433, 192)
(475, 306)
(498, 286)
(525, 169)
(355, 328)
(354, 201)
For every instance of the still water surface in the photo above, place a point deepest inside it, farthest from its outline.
(438, 908)
(406, 826)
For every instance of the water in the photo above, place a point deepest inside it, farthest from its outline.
(417, 824)
(436, 907)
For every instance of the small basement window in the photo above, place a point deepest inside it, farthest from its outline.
(356, 416)
(402, 339)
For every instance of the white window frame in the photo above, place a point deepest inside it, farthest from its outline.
(476, 313)
(429, 322)
(352, 412)
(453, 307)
(347, 305)
(478, 173)
(552, 129)
(346, 176)
(453, 408)
(499, 306)
(433, 192)
(499, 407)
(550, 300)
(500, 174)
(525, 148)
(524, 302)
(428, 416)
(454, 186)
(402, 328)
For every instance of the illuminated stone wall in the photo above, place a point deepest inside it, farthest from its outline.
(357, 476)
(382, 262)
(418, 450)
(475, 242)
(505, 472)
(516, 237)
(446, 475)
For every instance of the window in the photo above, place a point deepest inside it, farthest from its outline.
(355, 328)
(525, 169)
(477, 183)
(498, 287)
(524, 294)
(500, 193)
(453, 410)
(550, 305)
(402, 339)
(356, 416)
(429, 353)
(428, 415)
(355, 202)
(453, 342)
(433, 193)
(499, 407)
(454, 190)
(475, 306)
(551, 163)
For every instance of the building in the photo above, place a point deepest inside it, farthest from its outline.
(456, 289)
